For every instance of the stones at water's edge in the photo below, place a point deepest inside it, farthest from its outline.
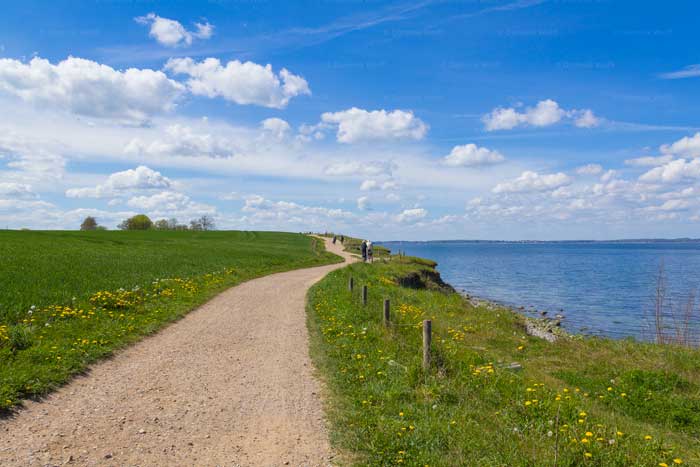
(535, 328)
(545, 328)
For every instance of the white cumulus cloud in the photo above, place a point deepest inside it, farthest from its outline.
(412, 215)
(674, 171)
(172, 33)
(545, 113)
(355, 125)
(262, 210)
(532, 181)
(585, 119)
(170, 204)
(370, 185)
(89, 88)
(140, 178)
(649, 161)
(278, 128)
(363, 203)
(244, 83)
(16, 191)
(589, 169)
(356, 168)
(182, 140)
(471, 155)
(688, 146)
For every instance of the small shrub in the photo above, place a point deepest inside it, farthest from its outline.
(137, 222)
(20, 338)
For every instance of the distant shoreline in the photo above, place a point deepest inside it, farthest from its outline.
(619, 241)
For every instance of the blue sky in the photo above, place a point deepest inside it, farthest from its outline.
(513, 119)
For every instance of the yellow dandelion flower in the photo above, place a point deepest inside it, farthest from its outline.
(648, 438)
(677, 461)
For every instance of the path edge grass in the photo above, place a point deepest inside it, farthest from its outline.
(338, 404)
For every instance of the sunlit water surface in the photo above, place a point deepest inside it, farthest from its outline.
(602, 288)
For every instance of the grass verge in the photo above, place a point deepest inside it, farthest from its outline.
(494, 396)
(70, 298)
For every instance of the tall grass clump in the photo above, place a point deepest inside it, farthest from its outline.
(675, 323)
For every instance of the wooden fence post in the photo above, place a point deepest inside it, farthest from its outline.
(387, 316)
(427, 328)
(364, 295)
(351, 284)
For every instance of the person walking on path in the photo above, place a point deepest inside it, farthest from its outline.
(370, 252)
(363, 248)
(342, 239)
(334, 238)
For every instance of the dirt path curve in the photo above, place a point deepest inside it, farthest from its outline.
(230, 384)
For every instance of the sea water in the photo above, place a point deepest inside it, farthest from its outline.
(600, 288)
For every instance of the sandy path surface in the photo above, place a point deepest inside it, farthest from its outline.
(230, 384)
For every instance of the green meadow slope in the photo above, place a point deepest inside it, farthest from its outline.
(494, 395)
(69, 298)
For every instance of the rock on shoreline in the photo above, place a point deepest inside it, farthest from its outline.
(544, 328)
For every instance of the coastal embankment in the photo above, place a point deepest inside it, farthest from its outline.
(493, 393)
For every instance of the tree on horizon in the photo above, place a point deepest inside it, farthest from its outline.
(89, 223)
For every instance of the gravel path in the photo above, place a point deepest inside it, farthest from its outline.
(230, 384)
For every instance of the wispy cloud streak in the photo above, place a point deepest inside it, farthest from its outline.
(691, 71)
(301, 37)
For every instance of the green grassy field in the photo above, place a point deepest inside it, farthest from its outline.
(69, 298)
(494, 396)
